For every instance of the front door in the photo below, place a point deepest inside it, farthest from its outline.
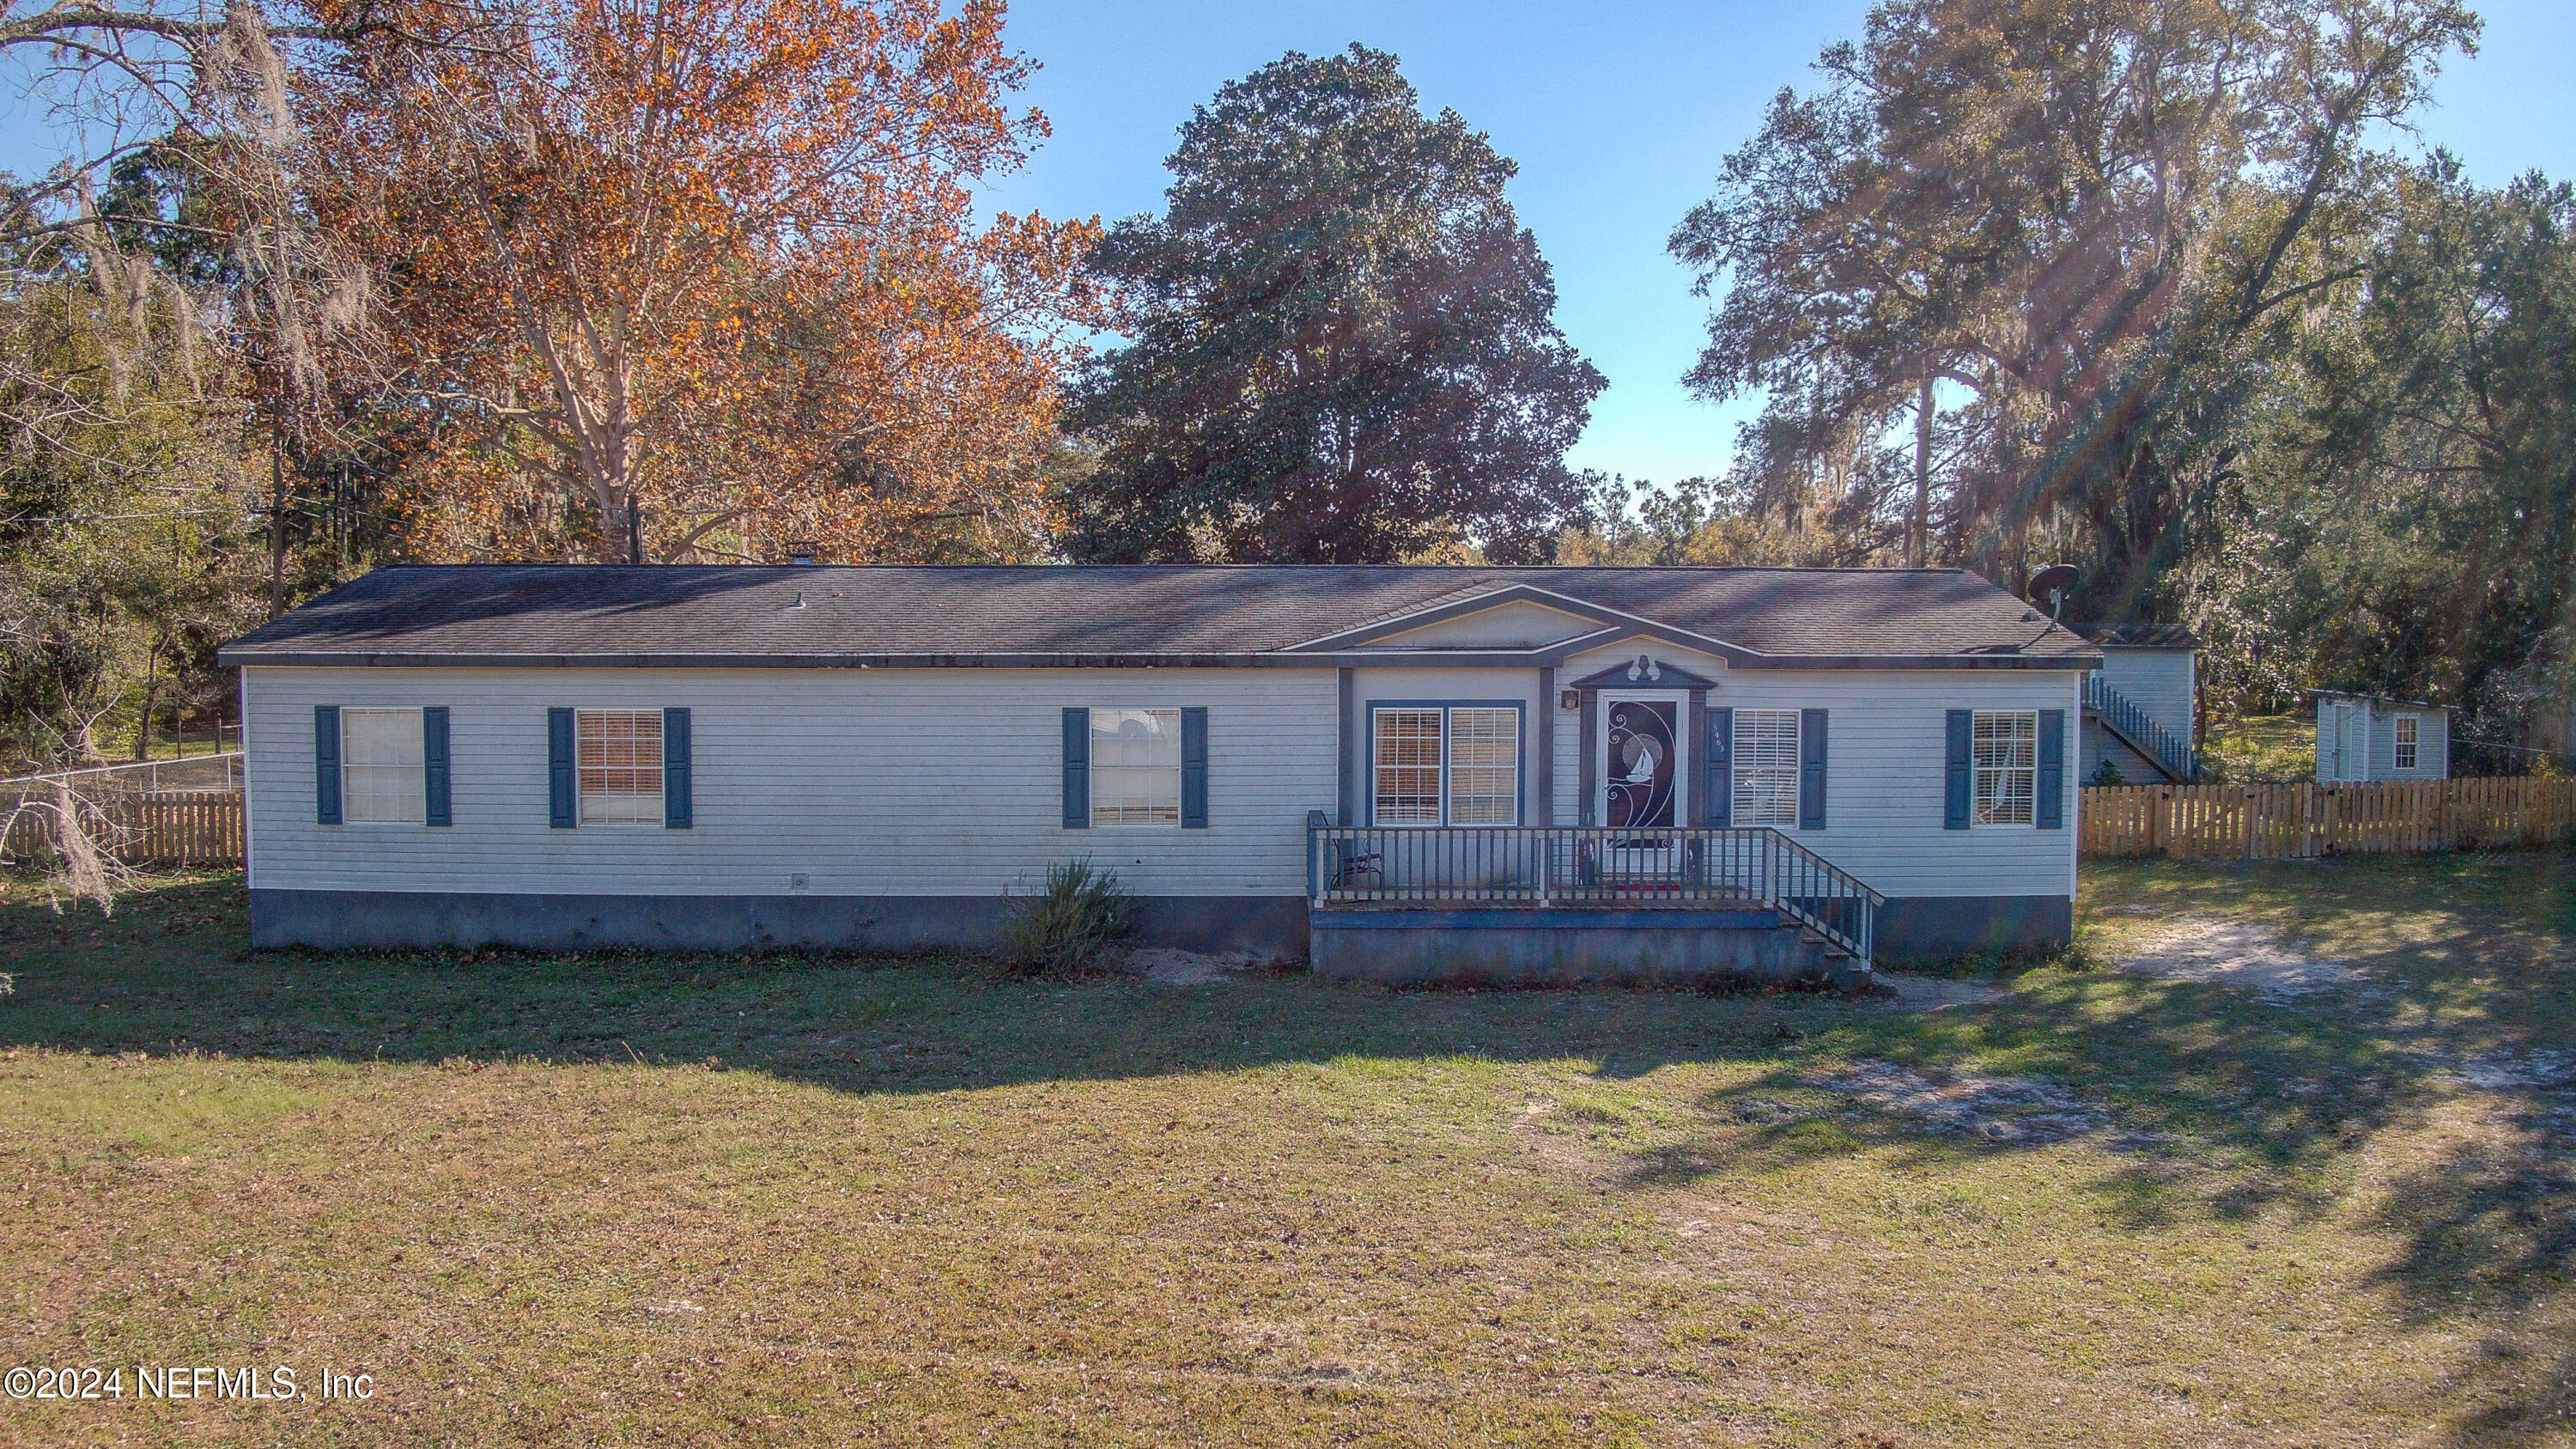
(1643, 786)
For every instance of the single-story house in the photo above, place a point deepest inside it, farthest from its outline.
(1395, 771)
(2139, 707)
(2364, 737)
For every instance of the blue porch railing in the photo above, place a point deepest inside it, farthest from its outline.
(1593, 865)
(2141, 731)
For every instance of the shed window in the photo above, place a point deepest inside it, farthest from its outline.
(619, 757)
(380, 767)
(1447, 764)
(2007, 762)
(1766, 767)
(1136, 767)
(2406, 742)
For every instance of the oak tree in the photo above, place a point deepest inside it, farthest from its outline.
(685, 278)
(1344, 347)
(2057, 244)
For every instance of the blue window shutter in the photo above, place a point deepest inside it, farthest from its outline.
(1811, 769)
(675, 769)
(1721, 766)
(1194, 768)
(433, 766)
(1958, 778)
(326, 763)
(2049, 808)
(1077, 769)
(561, 806)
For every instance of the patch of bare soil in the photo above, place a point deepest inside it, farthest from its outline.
(1170, 966)
(2235, 953)
(2023, 1111)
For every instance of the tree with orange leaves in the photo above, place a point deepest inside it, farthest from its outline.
(682, 279)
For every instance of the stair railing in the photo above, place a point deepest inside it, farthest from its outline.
(2141, 728)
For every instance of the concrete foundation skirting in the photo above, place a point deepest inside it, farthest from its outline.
(1269, 926)
(1943, 928)
(1527, 946)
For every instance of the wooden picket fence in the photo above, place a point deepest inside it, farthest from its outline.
(177, 827)
(2186, 822)
(2294, 822)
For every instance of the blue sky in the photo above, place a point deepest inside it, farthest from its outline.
(1618, 114)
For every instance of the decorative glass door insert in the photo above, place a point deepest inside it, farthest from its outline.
(1639, 759)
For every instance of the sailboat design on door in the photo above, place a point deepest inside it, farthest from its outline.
(1641, 789)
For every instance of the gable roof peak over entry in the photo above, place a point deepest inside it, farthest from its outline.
(746, 616)
(1643, 672)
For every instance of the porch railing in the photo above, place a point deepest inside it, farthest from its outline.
(1591, 865)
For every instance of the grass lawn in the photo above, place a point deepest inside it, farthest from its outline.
(771, 1201)
(2261, 749)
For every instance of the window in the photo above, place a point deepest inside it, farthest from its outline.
(2007, 764)
(1484, 766)
(618, 757)
(1409, 757)
(380, 767)
(2406, 742)
(1135, 767)
(1766, 767)
(1447, 764)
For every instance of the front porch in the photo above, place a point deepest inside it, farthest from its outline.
(1549, 903)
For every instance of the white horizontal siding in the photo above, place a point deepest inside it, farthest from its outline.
(867, 782)
(1886, 752)
(2375, 736)
(2135, 769)
(948, 782)
(1446, 686)
(2432, 744)
(2158, 681)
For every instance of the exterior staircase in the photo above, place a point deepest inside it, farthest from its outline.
(2140, 731)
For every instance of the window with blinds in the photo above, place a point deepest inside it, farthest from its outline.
(1766, 767)
(617, 756)
(1136, 767)
(1408, 766)
(1446, 765)
(2007, 765)
(1484, 766)
(381, 766)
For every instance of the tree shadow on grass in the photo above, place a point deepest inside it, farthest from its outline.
(170, 973)
(2223, 1106)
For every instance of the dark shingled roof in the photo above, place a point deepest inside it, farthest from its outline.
(669, 615)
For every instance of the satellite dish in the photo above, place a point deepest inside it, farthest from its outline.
(2052, 584)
